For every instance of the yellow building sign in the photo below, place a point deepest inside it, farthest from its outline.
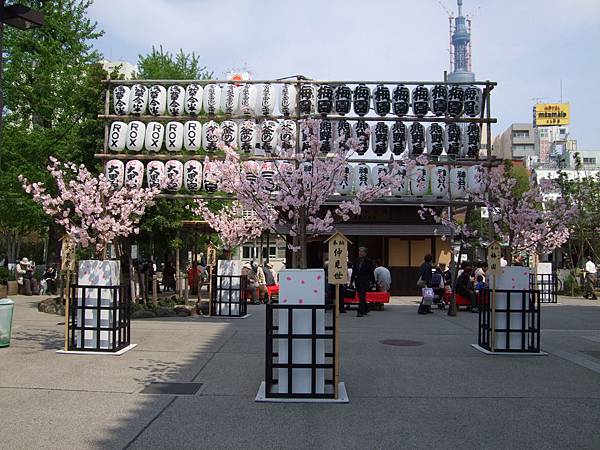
(551, 114)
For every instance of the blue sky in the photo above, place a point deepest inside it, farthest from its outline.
(527, 46)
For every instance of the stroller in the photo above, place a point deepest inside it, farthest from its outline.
(437, 283)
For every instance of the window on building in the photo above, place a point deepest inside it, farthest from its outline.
(520, 133)
(589, 161)
(523, 149)
(252, 252)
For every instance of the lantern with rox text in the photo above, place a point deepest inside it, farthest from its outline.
(134, 174)
(382, 100)
(361, 99)
(343, 132)
(458, 182)
(361, 131)
(342, 99)
(453, 139)
(138, 99)
(211, 178)
(192, 135)
(287, 99)
(325, 135)
(211, 99)
(439, 100)
(400, 183)
(174, 136)
(472, 103)
(362, 176)
(210, 136)
(416, 139)
(114, 171)
(268, 137)
(344, 184)
(247, 136)
(420, 101)
(155, 134)
(117, 136)
(173, 175)
(136, 134)
(401, 100)
(193, 99)
(155, 174)
(397, 138)
(435, 139)
(306, 99)
(175, 100)
(378, 174)
(475, 179)
(230, 97)
(121, 100)
(157, 100)
(419, 180)
(229, 133)
(247, 100)
(192, 175)
(472, 140)
(380, 135)
(456, 97)
(324, 99)
(286, 135)
(440, 179)
(266, 100)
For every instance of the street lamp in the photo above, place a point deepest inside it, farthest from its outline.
(20, 17)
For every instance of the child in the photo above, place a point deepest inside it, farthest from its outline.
(480, 284)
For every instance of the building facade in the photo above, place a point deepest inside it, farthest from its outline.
(517, 142)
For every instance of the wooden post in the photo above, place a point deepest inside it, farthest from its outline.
(336, 377)
(177, 268)
(493, 260)
(154, 291)
(210, 291)
(493, 319)
(67, 302)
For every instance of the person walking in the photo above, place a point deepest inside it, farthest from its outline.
(383, 277)
(169, 283)
(590, 279)
(363, 276)
(49, 277)
(425, 276)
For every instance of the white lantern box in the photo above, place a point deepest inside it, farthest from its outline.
(439, 100)
(472, 102)
(211, 179)
(475, 179)
(268, 137)
(136, 134)
(173, 175)
(286, 136)
(435, 139)
(380, 138)
(247, 100)
(192, 175)
(266, 100)
(416, 139)
(193, 99)
(453, 139)
(121, 100)
(345, 183)
(114, 171)
(362, 176)
(138, 99)
(419, 180)
(248, 137)
(134, 174)
(157, 100)
(155, 134)
(230, 97)
(401, 100)
(420, 101)
(400, 184)
(175, 100)
(117, 136)
(397, 138)
(458, 182)
(377, 173)
(287, 99)
(324, 99)
(211, 99)
(174, 136)
(210, 136)
(155, 174)
(192, 136)
(307, 99)
(229, 133)
(342, 100)
(440, 179)
(361, 99)
(382, 100)
(456, 97)
(361, 131)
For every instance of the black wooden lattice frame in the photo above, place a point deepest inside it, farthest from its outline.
(222, 284)
(547, 284)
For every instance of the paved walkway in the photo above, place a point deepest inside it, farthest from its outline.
(442, 394)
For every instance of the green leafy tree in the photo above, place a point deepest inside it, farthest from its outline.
(162, 65)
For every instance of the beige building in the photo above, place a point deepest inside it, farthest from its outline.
(516, 142)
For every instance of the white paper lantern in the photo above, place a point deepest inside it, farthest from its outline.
(345, 183)
(397, 138)
(192, 136)
(361, 131)
(400, 183)
(174, 136)
(157, 100)
(248, 136)
(211, 178)
(307, 99)
(268, 137)
(134, 174)
(210, 136)
(325, 136)
(230, 98)
(361, 99)
(138, 99)
(342, 100)
(267, 173)
(266, 100)
(458, 182)
(440, 179)
(286, 135)
(121, 99)
(251, 171)
(307, 134)
(175, 100)
(472, 102)
(287, 99)
(435, 139)
(193, 99)
(211, 99)
(382, 100)
(114, 171)
(475, 179)
(419, 180)
(420, 101)
(173, 175)
(136, 134)
(401, 100)
(362, 176)
(379, 138)
(342, 134)
(155, 134)
(453, 139)
(229, 133)
(472, 140)
(456, 97)
(192, 175)
(155, 174)
(117, 136)
(247, 100)
(416, 139)
(324, 99)
(439, 100)
(377, 173)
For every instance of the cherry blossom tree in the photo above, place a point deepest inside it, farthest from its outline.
(89, 209)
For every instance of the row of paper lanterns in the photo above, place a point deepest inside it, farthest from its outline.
(195, 176)
(274, 137)
(323, 99)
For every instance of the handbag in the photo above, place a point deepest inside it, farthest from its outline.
(421, 283)
(349, 292)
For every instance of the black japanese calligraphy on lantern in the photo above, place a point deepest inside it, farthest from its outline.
(286, 105)
(435, 134)
(441, 179)
(344, 183)
(325, 135)
(306, 98)
(247, 137)
(381, 134)
(139, 94)
(229, 133)
(439, 99)
(398, 138)
(212, 137)
(266, 100)
(361, 99)
(417, 138)
(324, 99)
(382, 100)
(193, 98)
(473, 140)
(420, 101)
(343, 134)
(156, 100)
(453, 138)
(361, 132)
(401, 100)
(230, 97)
(363, 175)
(267, 136)
(472, 103)
(380, 173)
(176, 94)
(192, 177)
(287, 135)
(461, 180)
(113, 174)
(121, 99)
(456, 97)
(173, 176)
(211, 99)
(343, 99)
(154, 176)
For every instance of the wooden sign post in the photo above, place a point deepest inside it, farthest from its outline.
(67, 264)
(337, 273)
(494, 268)
(211, 262)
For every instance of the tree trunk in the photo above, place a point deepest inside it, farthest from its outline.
(302, 242)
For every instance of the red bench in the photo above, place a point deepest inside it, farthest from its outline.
(375, 298)
(273, 292)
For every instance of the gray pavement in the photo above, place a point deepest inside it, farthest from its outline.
(442, 394)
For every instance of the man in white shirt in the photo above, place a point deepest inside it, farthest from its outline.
(383, 277)
(590, 279)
